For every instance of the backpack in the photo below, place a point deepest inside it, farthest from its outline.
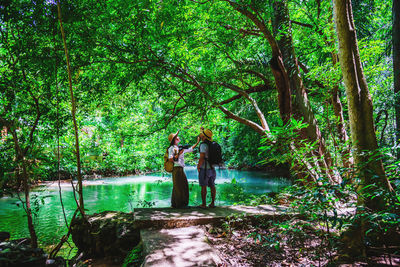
(168, 165)
(214, 153)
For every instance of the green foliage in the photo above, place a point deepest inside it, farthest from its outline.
(233, 222)
(235, 192)
(135, 256)
(332, 211)
(143, 69)
(278, 146)
(127, 57)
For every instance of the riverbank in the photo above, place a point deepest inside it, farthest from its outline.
(91, 177)
(66, 176)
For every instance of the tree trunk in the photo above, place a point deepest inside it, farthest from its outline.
(337, 105)
(26, 185)
(284, 66)
(73, 111)
(396, 67)
(25, 182)
(300, 105)
(335, 99)
(370, 169)
(339, 122)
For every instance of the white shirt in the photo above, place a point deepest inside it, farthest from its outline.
(173, 150)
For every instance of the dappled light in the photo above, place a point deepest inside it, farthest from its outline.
(178, 247)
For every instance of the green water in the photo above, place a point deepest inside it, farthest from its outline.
(122, 194)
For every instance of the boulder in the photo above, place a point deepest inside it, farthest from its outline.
(107, 234)
(19, 253)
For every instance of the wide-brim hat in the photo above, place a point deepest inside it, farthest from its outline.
(172, 136)
(208, 134)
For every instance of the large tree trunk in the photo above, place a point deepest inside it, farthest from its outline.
(396, 67)
(335, 99)
(340, 125)
(300, 105)
(337, 105)
(291, 93)
(370, 169)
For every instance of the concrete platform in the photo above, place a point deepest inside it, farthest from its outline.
(178, 247)
(166, 218)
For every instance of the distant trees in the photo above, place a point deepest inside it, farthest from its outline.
(396, 67)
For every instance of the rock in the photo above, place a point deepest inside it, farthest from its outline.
(50, 262)
(4, 236)
(19, 253)
(57, 262)
(106, 234)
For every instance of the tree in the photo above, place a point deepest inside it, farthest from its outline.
(370, 167)
(73, 112)
(21, 90)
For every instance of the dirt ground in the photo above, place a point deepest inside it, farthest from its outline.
(249, 246)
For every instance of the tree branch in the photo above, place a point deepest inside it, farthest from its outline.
(302, 24)
(255, 89)
(226, 53)
(252, 101)
(260, 24)
(38, 114)
(243, 31)
(189, 79)
(261, 130)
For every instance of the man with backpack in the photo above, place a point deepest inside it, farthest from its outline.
(210, 155)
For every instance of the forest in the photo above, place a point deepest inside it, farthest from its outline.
(309, 88)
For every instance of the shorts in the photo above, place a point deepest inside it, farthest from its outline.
(209, 179)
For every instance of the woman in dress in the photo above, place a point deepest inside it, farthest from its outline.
(180, 189)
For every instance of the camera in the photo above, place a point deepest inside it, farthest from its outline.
(182, 147)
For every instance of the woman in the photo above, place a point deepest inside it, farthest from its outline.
(180, 189)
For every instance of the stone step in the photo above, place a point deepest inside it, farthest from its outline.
(185, 246)
(166, 218)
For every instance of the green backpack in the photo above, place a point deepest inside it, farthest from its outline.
(168, 165)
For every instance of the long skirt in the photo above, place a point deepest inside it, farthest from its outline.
(180, 189)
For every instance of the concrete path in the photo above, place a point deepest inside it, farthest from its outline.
(173, 237)
(165, 218)
(178, 247)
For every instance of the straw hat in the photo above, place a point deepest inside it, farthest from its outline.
(172, 136)
(208, 134)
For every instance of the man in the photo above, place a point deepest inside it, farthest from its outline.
(207, 172)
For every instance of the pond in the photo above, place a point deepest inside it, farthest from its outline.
(123, 194)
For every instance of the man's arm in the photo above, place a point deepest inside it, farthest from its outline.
(198, 141)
